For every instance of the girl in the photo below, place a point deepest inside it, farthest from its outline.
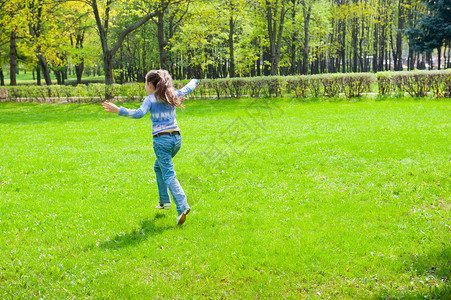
(161, 103)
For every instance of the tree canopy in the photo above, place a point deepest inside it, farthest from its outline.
(220, 38)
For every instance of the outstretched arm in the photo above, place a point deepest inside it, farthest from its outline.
(132, 113)
(110, 107)
(184, 91)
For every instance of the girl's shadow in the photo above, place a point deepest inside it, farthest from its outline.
(148, 229)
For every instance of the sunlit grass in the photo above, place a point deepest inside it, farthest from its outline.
(289, 199)
(28, 78)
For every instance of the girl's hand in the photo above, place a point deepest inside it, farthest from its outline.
(111, 107)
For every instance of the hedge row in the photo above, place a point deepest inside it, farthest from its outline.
(81, 93)
(415, 83)
(325, 85)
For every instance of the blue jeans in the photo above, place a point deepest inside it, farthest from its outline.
(165, 148)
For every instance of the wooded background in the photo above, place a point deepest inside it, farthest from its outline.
(124, 39)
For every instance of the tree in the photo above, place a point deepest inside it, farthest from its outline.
(10, 22)
(275, 12)
(102, 13)
(433, 29)
(168, 22)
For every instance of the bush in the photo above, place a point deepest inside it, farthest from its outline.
(132, 91)
(355, 84)
(297, 86)
(3, 94)
(385, 86)
(415, 83)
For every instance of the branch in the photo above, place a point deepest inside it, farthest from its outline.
(176, 23)
(136, 26)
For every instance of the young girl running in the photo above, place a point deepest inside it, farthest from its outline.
(161, 102)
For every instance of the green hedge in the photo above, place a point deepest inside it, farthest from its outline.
(414, 83)
(81, 93)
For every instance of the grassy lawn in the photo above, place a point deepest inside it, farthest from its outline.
(289, 200)
(27, 78)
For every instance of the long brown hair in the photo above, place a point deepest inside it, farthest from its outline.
(162, 81)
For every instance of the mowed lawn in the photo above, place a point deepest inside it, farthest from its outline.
(289, 200)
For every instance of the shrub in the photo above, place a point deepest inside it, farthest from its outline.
(385, 86)
(3, 94)
(297, 85)
(132, 91)
(331, 84)
(415, 83)
(355, 84)
(255, 86)
(237, 87)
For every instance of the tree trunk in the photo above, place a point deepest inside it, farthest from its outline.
(275, 32)
(45, 69)
(108, 67)
(382, 49)
(448, 60)
(305, 59)
(354, 24)
(258, 67)
(58, 76)
(2, 77)
(13, 58)
(266, 58)
(343, 47)
(162, 43)
(79, 70)
(375, 44)
(232, 57)
(80, 66)
(294, 41)
(38, 75)
(401, 21)
(439, 56)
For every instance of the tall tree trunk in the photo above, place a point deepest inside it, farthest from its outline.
(401, 21)
(13, 58)
(162, 43)
(382, 49)
(294, 41)
(305, 58)
(354, 24)
(275, 22)
(375, 45)
(331, 65)
(343, 46)
(232, 56)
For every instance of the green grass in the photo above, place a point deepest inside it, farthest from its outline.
(27, 78)
(289, 200)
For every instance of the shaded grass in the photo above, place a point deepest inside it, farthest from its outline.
(290, 199)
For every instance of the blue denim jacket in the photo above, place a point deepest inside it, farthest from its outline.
(161, 113)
